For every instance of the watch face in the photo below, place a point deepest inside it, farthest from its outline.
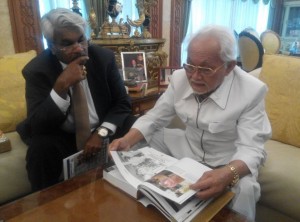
(103, 132)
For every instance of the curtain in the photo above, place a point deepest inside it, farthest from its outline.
(47, 5)
(275, 16)
(235, 14)
(186, 17)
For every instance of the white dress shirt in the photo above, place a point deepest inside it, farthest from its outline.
(64, 104)
(231, 124)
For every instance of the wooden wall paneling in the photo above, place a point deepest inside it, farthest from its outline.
(177, 10)
(25, 17)
(156, 20)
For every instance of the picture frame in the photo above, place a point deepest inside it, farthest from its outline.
(165, 74)
(134, 66)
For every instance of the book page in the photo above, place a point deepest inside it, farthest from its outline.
(140, 165)
(173, 182)
(114, 177)
(174, 212)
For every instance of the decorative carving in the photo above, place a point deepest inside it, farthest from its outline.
(155, 57)
(112, 29)
(24, 16)
(156, 20)
(177, 8)
(146, 8)
(137, 23)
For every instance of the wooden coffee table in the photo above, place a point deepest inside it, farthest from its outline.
(88, 198)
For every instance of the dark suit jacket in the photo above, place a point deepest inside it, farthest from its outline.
(111, 101)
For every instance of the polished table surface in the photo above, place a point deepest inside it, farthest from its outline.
(88, 198)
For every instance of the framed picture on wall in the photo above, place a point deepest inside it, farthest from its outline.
(165, 74)
(134, 66)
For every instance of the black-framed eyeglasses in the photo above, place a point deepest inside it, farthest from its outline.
(69, 48)
(191, 69)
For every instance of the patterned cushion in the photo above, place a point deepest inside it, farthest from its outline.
(12, 89)
(282, 75)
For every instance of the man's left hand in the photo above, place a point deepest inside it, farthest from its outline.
(212, 183)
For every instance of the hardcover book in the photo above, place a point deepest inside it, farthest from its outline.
(154, 178)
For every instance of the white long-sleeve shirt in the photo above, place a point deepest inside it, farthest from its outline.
(231, 124)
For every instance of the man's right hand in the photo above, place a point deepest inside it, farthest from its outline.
(71, 75)
(125, 143)
(119, 144)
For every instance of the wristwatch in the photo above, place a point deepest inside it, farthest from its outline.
(103, 132)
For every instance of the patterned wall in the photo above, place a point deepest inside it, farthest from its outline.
(6, 39)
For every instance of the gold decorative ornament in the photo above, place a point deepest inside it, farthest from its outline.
(115, 35)
(93, 22)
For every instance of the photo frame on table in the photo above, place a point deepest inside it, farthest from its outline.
(134, 66)
(165, 74)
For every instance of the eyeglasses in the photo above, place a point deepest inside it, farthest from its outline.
(191, 69)
(83, 43)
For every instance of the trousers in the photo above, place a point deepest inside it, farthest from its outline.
(44, 158)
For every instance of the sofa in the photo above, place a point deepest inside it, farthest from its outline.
(13, 175)
(279, 177)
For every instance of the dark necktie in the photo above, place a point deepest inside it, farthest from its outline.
(81, 116)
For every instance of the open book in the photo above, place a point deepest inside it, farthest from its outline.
(162, 181)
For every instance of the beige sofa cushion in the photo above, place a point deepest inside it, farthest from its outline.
(12, 89)
(280, 180)
(14, 181)
(282, 75)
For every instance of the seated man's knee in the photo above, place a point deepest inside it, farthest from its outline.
(40, 146)
(248, 186)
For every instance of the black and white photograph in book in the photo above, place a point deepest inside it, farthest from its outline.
(134, 66)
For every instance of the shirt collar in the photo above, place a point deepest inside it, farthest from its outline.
(220, 96)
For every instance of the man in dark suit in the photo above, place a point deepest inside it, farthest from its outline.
(49, 128)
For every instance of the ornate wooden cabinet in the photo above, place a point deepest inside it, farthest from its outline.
(155, 56)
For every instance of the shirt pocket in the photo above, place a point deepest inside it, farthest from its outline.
(218, 127)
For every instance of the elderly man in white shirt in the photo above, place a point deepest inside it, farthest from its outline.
(224, 112)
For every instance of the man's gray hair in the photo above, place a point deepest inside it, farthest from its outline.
(60, 18)
(225, 38)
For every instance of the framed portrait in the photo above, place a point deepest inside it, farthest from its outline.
(134, 66)
(165, 74)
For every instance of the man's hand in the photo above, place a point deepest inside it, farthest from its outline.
(72, 74)
(119, 144)
(213, 183)
(93, 145)
(124, 143)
